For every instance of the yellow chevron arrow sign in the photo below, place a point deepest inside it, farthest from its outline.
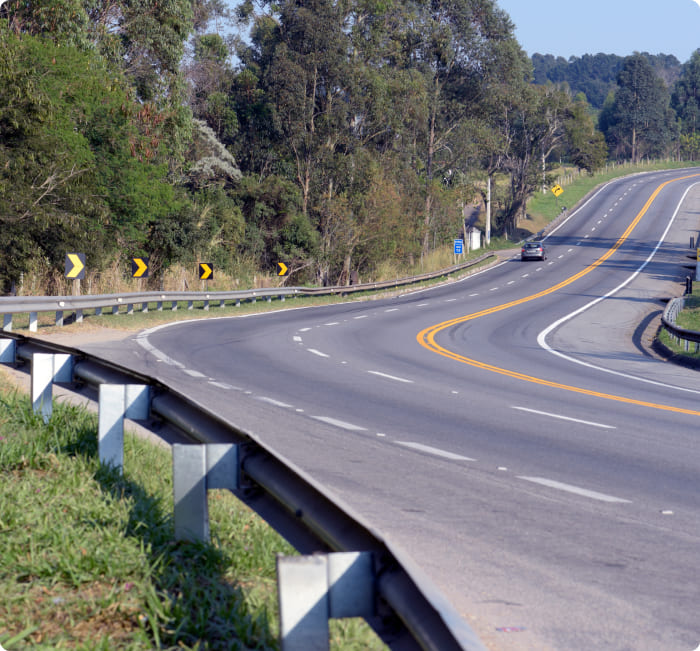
(283, 270)
(206, 270)
(75, 265)
(139, 267)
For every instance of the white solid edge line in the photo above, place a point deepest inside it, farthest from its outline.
(340, 423)
(391, 377)
(550, 483)
(434, 451)
(542, 337)
(560, 417)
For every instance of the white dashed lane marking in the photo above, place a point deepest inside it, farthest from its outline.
(339, 423)
(223, 385)
(317, 352)
(390, 377)
(568, 488)
(434, 451)
(567, 418)
(272, 401)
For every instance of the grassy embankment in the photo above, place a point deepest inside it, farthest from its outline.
(88, 559)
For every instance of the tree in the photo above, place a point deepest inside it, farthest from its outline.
(637, 124)
(458, 47)
(686, 96)
(83, 161)
(585, 143)
(533, 125)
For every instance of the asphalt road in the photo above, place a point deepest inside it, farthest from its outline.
(511, 431)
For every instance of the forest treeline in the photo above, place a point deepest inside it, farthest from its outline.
(334, 137)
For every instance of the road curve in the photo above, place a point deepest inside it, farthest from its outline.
(511, 430)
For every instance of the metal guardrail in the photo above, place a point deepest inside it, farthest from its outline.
(33, 305)
(409, 612)
(680, 335)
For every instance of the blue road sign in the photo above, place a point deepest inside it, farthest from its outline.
(459, 247)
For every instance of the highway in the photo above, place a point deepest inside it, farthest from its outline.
(511, 431)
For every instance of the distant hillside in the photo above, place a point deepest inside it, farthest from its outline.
(595, 75)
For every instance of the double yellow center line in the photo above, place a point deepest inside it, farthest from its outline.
(426, 337)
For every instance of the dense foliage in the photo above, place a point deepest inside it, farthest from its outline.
(595, 75)
(344, 136)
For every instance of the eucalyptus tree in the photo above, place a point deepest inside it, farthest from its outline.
(459, 47)
(533, 125)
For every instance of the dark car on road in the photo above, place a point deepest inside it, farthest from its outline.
(533, 251)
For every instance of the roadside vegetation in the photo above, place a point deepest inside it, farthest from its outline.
(339, 140)
(88, 559)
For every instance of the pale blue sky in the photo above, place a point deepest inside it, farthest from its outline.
(566, 28)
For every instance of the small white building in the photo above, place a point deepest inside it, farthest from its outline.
(474, 235)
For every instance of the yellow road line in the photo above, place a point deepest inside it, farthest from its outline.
(426, 337)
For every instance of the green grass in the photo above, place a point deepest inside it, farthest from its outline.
(88, 559)
(689, 319)
(543, 208)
